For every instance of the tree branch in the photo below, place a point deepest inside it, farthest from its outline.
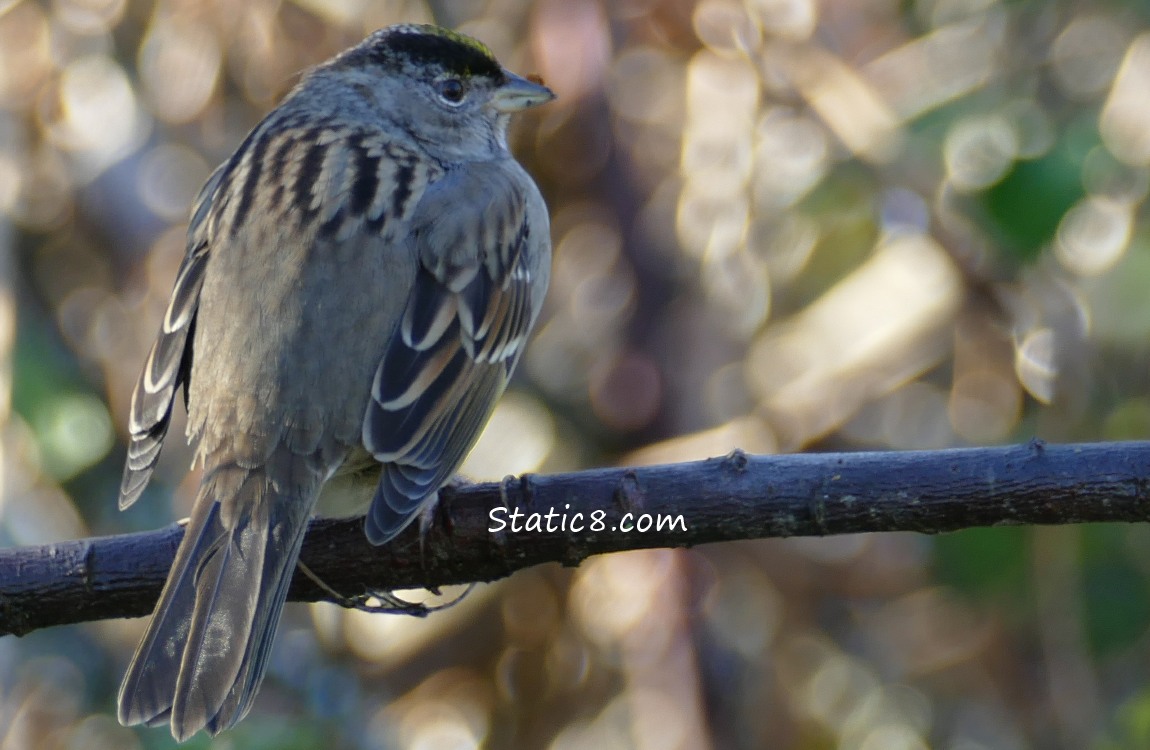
(720, 499)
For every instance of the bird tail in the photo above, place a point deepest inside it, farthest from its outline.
(204, 654)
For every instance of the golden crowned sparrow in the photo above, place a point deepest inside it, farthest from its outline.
(361, 276)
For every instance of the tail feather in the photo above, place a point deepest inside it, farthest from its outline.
(205, 652)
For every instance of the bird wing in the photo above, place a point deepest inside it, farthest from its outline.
(482, 239)
(170, 361)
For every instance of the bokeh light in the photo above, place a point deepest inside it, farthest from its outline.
(779, 225)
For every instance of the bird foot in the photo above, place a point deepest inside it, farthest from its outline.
(388, 602)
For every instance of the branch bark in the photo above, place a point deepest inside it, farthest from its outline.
(720, 499)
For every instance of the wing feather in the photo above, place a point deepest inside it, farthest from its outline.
(166, 370)
(471, 307)
(169, 362)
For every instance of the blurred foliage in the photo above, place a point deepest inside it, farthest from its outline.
(998, 569)
(780, 225)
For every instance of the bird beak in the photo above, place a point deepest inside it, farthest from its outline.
(517, 94)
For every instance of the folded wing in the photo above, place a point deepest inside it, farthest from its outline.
(170, 360)
(476, 295)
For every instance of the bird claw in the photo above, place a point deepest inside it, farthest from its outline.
(389, 602)
(392, 604)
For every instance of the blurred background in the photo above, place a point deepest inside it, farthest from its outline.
(779, 225)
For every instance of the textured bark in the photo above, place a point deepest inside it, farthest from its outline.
(720, 499)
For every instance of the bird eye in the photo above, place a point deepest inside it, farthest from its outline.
(451, 90)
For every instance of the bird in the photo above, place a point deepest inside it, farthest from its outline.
(361, 276)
